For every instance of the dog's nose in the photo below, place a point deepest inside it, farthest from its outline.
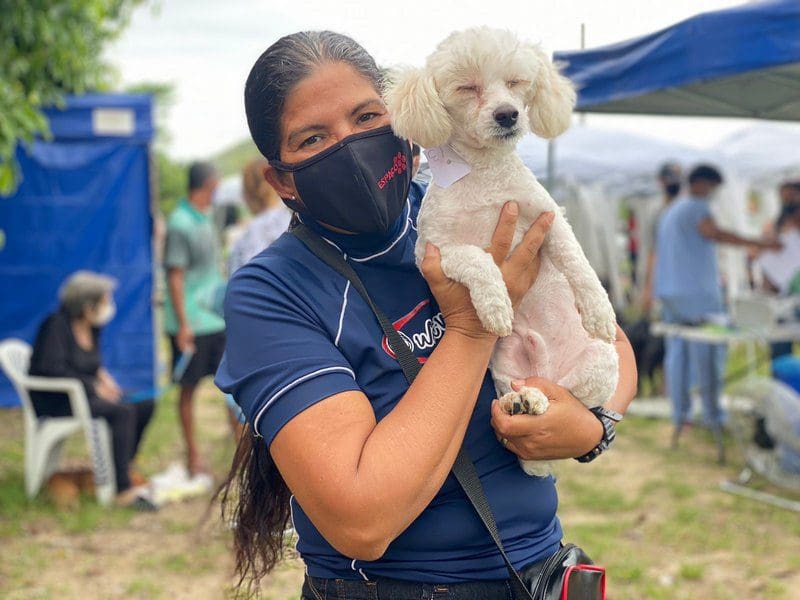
(506, 115)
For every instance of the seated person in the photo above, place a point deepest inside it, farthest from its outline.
(781, 269)
(67, 345)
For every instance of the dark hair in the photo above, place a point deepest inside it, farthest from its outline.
(790, 185)
(415, 150)
(255, 501)
(705, 173)
(670, 172)
(200, 173)
(789, 211)
(282, 66)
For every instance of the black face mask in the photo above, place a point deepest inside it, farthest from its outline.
(359, 185)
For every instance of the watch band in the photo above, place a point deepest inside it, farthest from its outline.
(611, 414)
(609, 418)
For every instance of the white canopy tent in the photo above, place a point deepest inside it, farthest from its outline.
(739, 62)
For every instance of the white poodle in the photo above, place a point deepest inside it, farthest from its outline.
(479, 93)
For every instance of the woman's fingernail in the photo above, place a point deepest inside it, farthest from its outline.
(551, 216)
(517, 383)
(513, 208)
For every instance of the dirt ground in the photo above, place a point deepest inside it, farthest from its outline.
(653, 516)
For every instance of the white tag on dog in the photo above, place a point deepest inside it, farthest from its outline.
(446, 165)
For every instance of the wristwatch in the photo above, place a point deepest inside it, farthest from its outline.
(609, 418)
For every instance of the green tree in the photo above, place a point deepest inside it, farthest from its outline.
(49, 48)
(171, 175)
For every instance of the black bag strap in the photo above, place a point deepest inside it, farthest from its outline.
(463, 469)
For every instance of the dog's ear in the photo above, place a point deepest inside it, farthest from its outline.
(416, 109)
(551, 97)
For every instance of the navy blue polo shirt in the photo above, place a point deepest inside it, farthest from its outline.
(297, 333)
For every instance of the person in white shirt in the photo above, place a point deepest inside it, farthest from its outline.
(270, 216)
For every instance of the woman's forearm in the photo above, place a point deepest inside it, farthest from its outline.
(628, 376)
(410, 452)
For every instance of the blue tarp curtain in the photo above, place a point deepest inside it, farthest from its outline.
(84, 203)
(739, 62)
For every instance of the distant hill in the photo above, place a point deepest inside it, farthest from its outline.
(231, 160)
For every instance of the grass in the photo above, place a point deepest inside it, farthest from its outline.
(143, 587)
(654, 517)
(96, 552)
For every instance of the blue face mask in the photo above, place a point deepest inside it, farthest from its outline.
(359, 185)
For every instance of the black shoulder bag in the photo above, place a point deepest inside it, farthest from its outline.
(569, 574)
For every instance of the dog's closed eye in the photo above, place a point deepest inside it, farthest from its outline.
(470, 89)
(512, 83)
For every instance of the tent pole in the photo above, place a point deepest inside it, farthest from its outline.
(582, 116)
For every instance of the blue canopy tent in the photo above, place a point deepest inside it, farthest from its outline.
(84, 203)
(739, 62)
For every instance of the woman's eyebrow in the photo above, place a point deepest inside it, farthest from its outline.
(362, 105)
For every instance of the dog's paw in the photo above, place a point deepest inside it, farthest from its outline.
(498, 324)
(496, 317)
(527, 401)
(600, 322)
(537, 468)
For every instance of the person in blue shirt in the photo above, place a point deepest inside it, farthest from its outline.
(687, 283)
(358, 461)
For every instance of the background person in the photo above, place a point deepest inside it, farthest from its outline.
(687, 283)
(191, 261)
(270, 217)
(669, 180)
(68, 345)
(781, 274)
(270, 220)
(789, 194)
(648, 348)
(358, 458)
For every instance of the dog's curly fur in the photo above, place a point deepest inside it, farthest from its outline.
(565, 327)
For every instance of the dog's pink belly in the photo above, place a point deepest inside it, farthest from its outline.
(548, 309)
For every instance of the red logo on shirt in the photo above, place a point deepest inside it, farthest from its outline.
(431, 333)
(399, 165)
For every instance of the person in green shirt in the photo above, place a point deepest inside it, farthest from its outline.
(194, 279)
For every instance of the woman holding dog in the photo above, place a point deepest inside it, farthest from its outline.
(340, 444)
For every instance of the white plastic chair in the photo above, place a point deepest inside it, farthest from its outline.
(45, 437)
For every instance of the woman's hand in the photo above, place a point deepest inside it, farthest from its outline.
(566, 430)
(519, 269)
(107, 392)
(108, 380)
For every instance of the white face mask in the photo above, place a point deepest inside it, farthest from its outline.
(105, 314)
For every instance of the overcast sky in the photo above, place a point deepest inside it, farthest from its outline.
(205, 49)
